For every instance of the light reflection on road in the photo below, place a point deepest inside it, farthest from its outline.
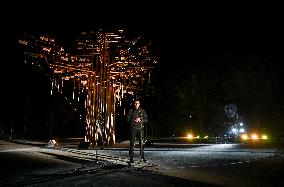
(171, 157)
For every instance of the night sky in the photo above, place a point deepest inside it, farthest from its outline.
(188, 41)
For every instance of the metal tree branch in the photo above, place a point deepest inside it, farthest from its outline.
(107, 66)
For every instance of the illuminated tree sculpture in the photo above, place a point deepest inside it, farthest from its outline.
(106, 67)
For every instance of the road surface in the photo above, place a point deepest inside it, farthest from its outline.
(169, 165)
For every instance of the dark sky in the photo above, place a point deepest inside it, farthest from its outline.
(171, 26)
(183, 31)
(184, 36)
(177, 30)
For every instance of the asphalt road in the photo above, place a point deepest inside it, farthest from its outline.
(169, 165)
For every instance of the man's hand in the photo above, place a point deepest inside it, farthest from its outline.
(137, 120)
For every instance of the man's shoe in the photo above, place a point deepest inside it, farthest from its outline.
(143, 160)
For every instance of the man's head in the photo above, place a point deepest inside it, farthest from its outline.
(136, 104)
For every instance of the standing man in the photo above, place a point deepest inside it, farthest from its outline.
(136, 117)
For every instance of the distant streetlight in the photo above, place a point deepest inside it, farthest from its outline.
(190, 126)
(188, 118)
